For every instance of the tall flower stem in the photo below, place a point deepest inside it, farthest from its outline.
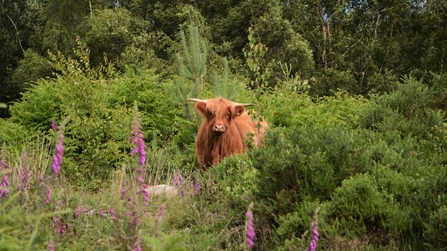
(249, 229)
(137, 138)
(5, 170)
(314, 234)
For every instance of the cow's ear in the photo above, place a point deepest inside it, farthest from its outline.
(201, 107)
(239, 109)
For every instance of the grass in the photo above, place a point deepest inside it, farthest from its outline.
(76, 218)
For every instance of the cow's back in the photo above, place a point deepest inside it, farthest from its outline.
(247, 126)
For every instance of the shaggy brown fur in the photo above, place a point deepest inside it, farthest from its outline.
(224, 129)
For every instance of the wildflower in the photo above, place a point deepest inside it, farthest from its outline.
(137, 138)
(178, 181)
(59, 226)
(57, 159)
(145, 192)
(53, 125)
(78, 211)
(50, 246)
(59, 149)
(137, 246)
(162, 213)
(123, 193)
(249, 227)
(314, 235)
(196, 187)
(112, 214)
(24, 179)
(4, 186)
(4, 182)
(48, 196)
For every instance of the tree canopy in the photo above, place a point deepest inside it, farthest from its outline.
(358, 46)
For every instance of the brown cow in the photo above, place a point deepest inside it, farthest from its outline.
(224, 129)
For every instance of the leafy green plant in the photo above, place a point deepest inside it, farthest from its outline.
(435, 227)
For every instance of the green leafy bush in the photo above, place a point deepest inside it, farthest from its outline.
(286, 108)
(157, 114)
(12, 134)
(360, 208)
(408, 110)
(435, 228)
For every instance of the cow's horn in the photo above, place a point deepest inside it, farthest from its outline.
(196, 100)
(239, 104)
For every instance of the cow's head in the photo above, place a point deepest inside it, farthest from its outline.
(219, 112)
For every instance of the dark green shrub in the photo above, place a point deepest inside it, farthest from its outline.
(157, 114)
(292, 227)
(408, 110)
(359, 208)
(306, 161)
(297, 169)
(435, 229)
(39, 105)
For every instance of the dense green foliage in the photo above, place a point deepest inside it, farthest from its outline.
(359, 46)
(354, 92)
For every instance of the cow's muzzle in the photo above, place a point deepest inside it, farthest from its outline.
(218, 129)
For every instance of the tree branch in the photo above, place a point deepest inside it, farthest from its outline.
(15, 28)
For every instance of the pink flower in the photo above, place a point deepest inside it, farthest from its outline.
(48, 196)
(53, 125)
(57, 159)
(24, 179)
(59, 226)
(4, 182)
(50, 246)
(4, 185)
(136, 137)
(196, 187)
(79, 209)
(112, 214)
(178, 181)
(314, 239)
(314, 234)
(137, 246)
(250, 230)
(162, 213)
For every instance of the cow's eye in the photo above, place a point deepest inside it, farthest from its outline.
(210, 114)
(229, 115)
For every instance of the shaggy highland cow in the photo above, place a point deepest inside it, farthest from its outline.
(224, 130)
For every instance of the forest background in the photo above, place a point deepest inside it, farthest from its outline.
(354, 91)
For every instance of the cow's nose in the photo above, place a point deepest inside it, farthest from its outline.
(218, 128)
